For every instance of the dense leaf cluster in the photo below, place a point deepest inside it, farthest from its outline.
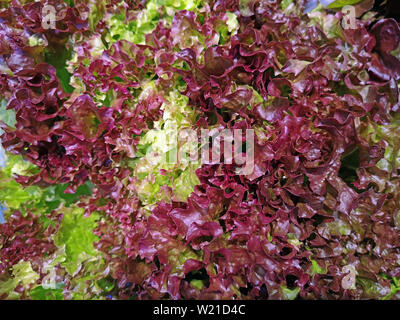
(95, 211)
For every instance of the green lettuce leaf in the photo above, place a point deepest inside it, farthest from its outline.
(161, 153)
(342, 3)
(22, 274)
(77, 237)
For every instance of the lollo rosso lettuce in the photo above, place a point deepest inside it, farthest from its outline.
(92, 110)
